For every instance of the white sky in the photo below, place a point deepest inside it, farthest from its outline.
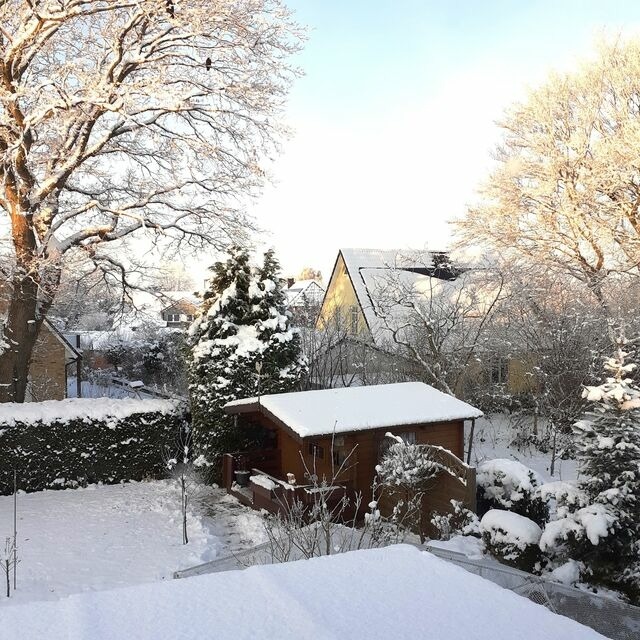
(395, 117)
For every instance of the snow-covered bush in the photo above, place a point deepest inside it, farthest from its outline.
(407, 466)
(66, 443)
(460, 521)
(507, 484)
(404, 475)
(591, 524)
(561, 498)
(241, 346)
(511, 538)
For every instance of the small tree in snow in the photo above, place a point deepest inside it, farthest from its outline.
(608, 442)
(8, 562)
(241, 346)
(406, 473)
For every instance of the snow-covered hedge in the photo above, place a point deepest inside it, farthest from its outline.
(57, 444)
(510, 485)
(512, 538)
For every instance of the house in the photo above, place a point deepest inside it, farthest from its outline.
(52, 357)
(303, 299)
(300, 293)
(370, 300)
(51, 360)
(315, 433)
(158, 310)
(180, 312)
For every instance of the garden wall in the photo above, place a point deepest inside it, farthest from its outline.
(64, 443)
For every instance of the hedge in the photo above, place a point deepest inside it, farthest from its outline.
(66, 443)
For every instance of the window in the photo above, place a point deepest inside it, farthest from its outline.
(190, 317)
(316, 450)
(173, 317)
(409, 437)
(499, 369)
(339, 457)
(353, 319)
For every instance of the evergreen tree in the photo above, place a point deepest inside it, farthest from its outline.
(609, 454)
(281, 362)
(240, 346)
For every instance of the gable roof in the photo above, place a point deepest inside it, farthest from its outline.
(303, 291)
(375, 272)
(348, 409)
(146, 307)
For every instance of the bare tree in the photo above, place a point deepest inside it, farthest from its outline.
(124, 120)
(332, 521)
(565, 193)
(438, 324)
(339, 358)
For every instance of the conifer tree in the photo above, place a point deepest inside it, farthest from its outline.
(241, 346)
(609, 454)
(281, 361)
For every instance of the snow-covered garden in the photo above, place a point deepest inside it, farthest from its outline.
(107, 536)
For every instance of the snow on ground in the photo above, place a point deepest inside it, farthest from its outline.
(468, 546)
(396, 592)
(103, 537)
(492, 439)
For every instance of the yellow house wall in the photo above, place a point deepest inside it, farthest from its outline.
(339, 300)
(519, 379)
(47, 368)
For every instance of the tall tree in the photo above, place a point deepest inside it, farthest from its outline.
(121, 120)
(240, 347)
(565, 193)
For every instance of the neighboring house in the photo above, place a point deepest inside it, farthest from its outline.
(371, 294)
(53, 355)
(317, 432)
(359, 291)
(181, 313)
(157, 310)
(304, 299)
(301, 293)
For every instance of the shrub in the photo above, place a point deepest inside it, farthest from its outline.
(511, 538)
(507, 484)
(460, 521)
(66, 443)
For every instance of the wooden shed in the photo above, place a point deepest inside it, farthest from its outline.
(314, 432)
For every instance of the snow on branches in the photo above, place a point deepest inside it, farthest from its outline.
(241, 346)
(121, 120)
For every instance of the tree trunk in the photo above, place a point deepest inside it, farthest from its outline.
(20, 334)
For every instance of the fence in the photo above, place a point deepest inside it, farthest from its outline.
(609, 617)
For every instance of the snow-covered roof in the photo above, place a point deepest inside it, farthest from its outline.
(303, 291)
(326, 411)
(362, 594)
(146, 307)
(376, 273)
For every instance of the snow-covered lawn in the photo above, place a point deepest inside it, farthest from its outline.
(103, 537)
(492, 439)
